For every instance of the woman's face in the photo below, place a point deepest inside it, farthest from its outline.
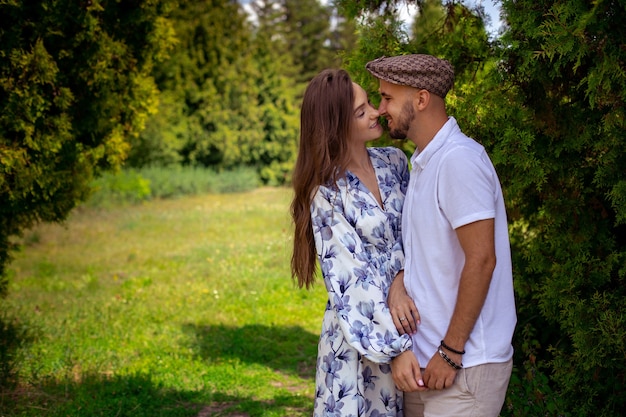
(365, 126)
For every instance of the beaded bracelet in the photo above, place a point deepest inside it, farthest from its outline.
(450, 361)
(443, 344)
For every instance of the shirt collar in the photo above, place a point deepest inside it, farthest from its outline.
(420, 159)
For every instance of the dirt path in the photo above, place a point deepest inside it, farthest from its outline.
(215, 410)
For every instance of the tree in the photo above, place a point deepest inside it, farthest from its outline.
(361, 8)
(308, 36)
(455, 32)
(293, 41)
(228, 94)
(302, 28)
(231, 88)
(278, 88)
(75, 86)
(206, 116)
(566, 182)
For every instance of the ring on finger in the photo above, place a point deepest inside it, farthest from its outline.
(402, 318)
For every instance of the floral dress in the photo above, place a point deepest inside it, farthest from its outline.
(359, 246)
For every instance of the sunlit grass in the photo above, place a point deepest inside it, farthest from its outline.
(167, 308)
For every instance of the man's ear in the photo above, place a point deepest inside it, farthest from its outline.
(421, 99)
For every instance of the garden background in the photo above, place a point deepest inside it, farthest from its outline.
(145, 156)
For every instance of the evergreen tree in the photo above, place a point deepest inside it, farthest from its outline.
(276, 78)
(308, 36)
(75, 85)
(567, 184)
(228, 98)
(207, 116)
(303, 28)
(344, 37)
(454, 32)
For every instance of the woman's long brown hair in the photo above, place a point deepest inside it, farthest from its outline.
(325, 121)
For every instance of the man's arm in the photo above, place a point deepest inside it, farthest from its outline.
(478, 244)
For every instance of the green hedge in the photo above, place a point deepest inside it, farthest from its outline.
(131, 186)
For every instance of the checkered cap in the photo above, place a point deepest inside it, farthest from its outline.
(420, 71)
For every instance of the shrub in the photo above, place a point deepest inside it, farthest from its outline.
(131, 186)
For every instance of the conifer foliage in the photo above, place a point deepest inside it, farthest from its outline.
(561, 135)
(86, 85)
(230, 89)
(75, 84)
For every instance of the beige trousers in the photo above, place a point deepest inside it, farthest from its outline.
(478, 391)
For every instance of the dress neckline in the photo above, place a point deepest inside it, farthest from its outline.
(381, 204)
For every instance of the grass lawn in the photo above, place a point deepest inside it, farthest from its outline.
(180, 307)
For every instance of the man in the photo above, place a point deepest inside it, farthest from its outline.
(458, 260)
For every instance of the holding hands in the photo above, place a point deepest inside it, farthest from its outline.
(405, 368)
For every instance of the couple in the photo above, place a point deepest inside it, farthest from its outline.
(449, 253)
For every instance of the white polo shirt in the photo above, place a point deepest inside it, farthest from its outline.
(453, 183)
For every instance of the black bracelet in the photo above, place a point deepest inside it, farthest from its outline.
(450, 361)
(452, 350)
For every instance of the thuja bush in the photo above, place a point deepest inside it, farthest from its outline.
(553, 118)
(75, 85)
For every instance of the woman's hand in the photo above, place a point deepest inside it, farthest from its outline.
(405, 315)
(406, 372)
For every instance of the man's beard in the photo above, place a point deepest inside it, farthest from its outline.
(403, 122)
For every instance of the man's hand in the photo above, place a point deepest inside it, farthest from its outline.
(406, 372)
(438, 373)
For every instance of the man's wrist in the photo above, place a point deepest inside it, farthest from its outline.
(448, 360)
(453, 350)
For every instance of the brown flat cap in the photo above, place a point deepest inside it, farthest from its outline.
(420, 71)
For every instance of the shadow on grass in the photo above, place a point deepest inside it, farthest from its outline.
(96, 395)
(291, 350)
(14, 333)
(99, 395)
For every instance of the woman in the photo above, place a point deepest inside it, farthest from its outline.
(346, 210)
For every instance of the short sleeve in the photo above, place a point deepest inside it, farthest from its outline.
(467, 187)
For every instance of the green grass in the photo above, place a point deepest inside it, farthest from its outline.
(170, 308)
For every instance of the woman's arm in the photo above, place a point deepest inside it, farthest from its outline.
(355, 283)
(403, 310)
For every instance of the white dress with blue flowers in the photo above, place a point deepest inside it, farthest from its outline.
(359, 246)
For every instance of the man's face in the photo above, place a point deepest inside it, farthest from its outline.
(397, 107)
